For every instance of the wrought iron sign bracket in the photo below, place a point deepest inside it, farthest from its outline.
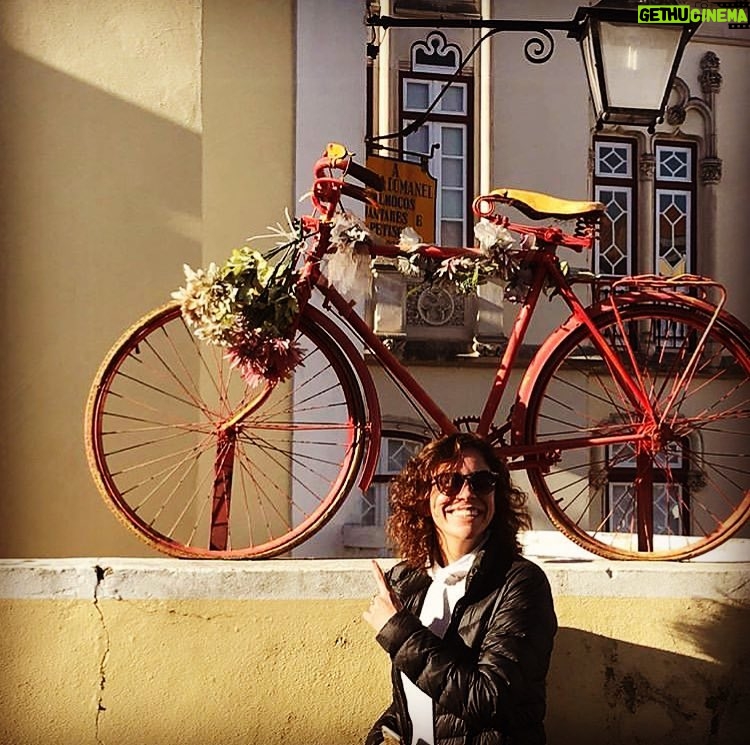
(537, 49)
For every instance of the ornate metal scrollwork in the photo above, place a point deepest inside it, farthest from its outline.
(538, 49)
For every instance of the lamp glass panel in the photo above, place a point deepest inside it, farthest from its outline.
(637, 61)
(592, 72)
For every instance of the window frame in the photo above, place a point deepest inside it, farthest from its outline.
(465, 120)
(686, 186)
(602, 182)
(383, 476)
(624, 475)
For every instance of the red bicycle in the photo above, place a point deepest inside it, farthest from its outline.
(632, 420)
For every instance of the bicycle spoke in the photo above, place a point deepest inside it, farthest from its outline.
(687, 453)
(199, 464)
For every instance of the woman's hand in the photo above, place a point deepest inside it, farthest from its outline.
(384, 603)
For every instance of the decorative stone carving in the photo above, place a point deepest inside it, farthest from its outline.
(710, 170)
(676, 115)
(433, 306)
(489, 349)
(710, 77)
(710, 83)
(647, 166)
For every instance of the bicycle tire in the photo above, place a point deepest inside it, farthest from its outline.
(160, 455)
(692, 472)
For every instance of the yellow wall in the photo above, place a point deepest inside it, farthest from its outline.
(143, 665)
(137, 135)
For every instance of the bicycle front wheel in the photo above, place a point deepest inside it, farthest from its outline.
(618, 480)
(199, 464)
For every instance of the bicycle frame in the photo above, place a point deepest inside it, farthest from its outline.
(547, 272)
(327, 192)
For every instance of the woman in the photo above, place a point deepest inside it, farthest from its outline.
(467, 621)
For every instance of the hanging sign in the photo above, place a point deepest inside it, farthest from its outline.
(408, 200)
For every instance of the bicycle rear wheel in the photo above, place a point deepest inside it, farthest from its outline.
(607, 475)
(198, 464)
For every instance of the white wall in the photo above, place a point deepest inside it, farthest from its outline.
(331, 106)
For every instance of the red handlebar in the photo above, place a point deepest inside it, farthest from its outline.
(365, 175)
(348, 167)
(327, 189)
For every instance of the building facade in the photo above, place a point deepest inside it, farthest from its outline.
(141, 136)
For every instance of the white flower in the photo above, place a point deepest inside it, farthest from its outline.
(348, 229)
(208, 304)
(409, 240)
(490, 236)
(349, 267)
(350, 271)
(410, 267)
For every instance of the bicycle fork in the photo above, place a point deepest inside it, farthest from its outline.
(658, 430)
(222, 489)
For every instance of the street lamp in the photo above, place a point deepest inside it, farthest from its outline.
(630, 66)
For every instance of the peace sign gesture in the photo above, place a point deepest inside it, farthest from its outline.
(384, 603)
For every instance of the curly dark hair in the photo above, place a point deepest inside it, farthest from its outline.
(410, 526)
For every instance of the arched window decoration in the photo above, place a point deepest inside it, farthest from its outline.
(671, 210)
(435, 54)
(652, 187)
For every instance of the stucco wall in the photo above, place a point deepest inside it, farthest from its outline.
(100, 203)
(128, 652)
(137, 135)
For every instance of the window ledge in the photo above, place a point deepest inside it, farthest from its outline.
(364, 536)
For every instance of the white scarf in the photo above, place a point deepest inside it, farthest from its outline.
(447, 587)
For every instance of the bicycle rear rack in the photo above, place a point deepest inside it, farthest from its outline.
(694, 284)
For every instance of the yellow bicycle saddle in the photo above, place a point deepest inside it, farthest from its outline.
(537, 206)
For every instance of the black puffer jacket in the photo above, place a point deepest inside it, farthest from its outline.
(486, 677)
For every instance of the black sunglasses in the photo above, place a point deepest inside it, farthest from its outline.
(451, 483)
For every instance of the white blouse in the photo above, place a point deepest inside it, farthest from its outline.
(448, 585)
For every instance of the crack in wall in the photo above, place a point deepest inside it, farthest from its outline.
(100, 708)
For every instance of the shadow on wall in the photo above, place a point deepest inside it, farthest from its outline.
(602, 690)
(100, 205)
(308, 672)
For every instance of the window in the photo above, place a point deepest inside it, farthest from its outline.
(448, 125)
(430, 115)
(664, 206)
(394, 453)
(615, 187)
(674, 187)
(670, 500)
(671, 208)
